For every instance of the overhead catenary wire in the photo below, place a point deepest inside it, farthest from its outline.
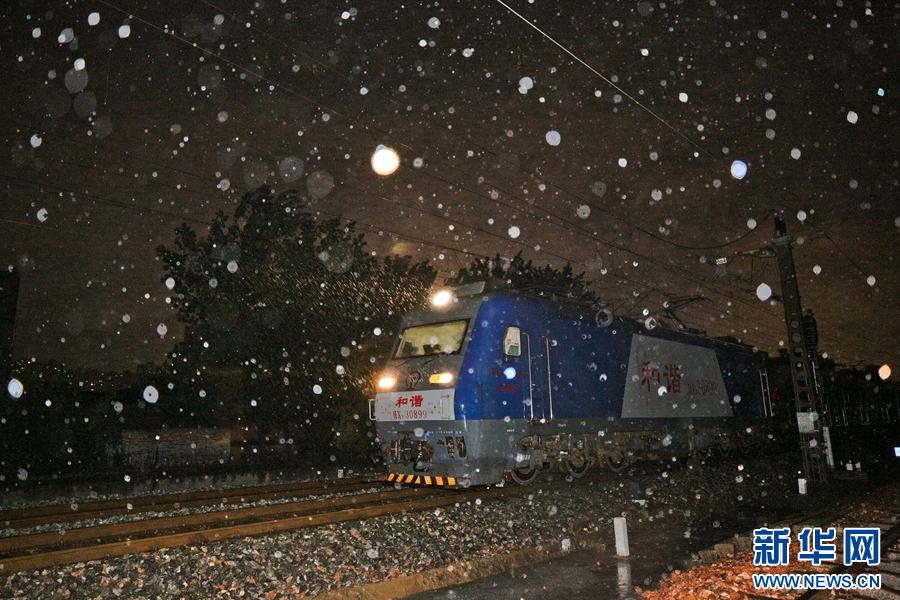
(855, 264)
(481, 147)
(132, 15)
(180, 217)
(567, 224)
(605, 79)
(290, 90)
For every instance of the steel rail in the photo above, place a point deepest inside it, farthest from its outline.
(20, 518)
(146, 527)
(209, 529)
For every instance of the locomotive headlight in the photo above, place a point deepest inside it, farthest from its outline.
(441, 378)
(442, 298)
(387, 383)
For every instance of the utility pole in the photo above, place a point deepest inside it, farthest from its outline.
(802, 354)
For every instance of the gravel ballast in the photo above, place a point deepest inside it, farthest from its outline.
(311, 562)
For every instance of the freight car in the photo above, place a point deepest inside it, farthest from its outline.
(485, 384)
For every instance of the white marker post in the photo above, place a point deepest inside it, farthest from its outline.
(829, 455)
(621, 528)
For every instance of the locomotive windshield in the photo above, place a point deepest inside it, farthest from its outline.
(434, 338)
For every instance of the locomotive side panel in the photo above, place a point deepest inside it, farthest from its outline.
(568, 367)
(673, 379)
(587, 368)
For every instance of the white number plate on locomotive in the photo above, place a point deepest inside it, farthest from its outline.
(426, 405)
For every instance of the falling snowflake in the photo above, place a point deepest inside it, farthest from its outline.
(15, 388)
(151, 394)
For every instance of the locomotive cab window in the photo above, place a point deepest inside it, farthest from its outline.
(512, 342)
(432, 339)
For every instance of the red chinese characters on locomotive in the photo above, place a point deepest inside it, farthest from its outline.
(653, 377)
(415, 401)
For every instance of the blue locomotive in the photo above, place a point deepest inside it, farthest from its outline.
(485, 384)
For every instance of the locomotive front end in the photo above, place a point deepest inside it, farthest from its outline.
(419, 391)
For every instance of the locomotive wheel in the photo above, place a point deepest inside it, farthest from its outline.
(576, 465)
(616, 463)
(524, 476)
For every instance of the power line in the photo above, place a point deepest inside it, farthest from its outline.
(855, 264)
(451, 132)
(601, 76)
(234, 65)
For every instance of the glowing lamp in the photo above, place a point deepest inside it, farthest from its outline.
(884, 372)
(442, 298)
(385, 161)
(386, 383)
(441, 378)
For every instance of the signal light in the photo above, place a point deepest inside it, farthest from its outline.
(387, 383)
(441, 378)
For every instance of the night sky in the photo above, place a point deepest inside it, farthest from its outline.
(123, 120)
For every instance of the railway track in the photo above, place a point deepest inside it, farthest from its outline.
(79, 544)
(21, 518)
(75, 538)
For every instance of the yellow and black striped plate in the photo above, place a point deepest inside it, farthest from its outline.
(421, 479)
